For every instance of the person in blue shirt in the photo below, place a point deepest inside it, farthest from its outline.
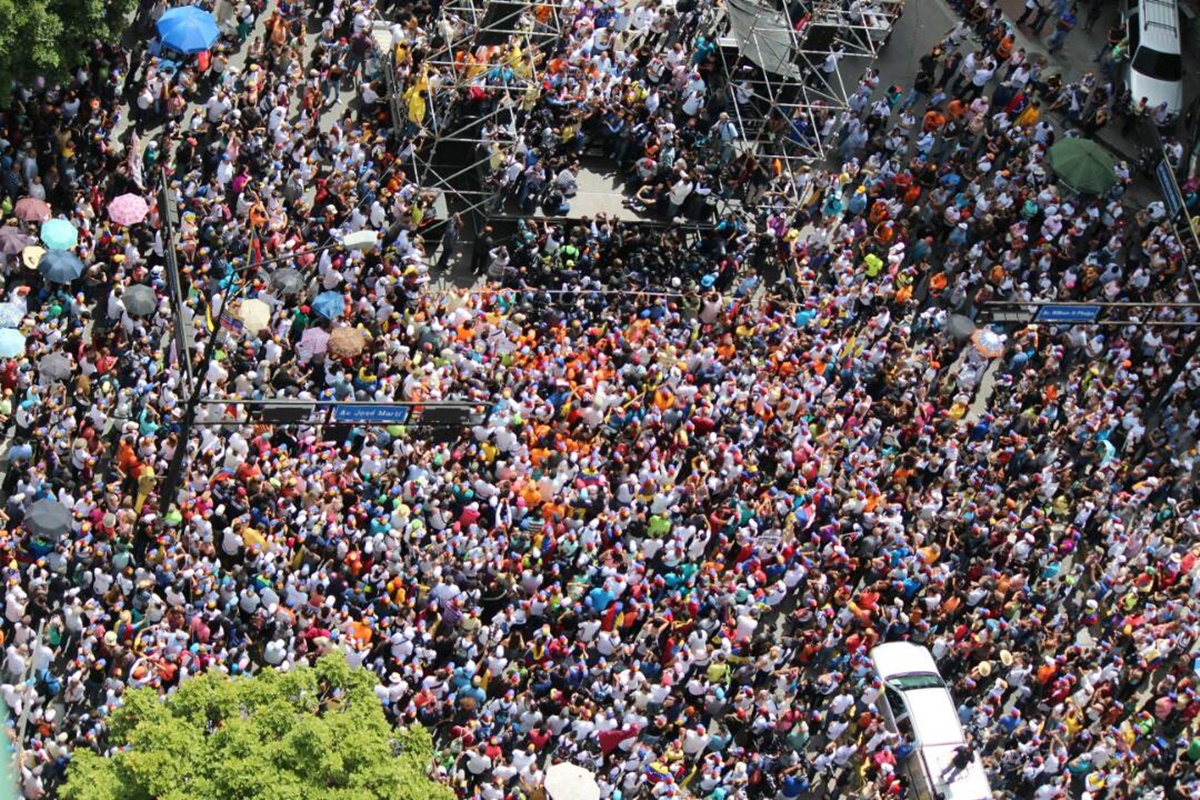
(704, 48)
(1011, 721)
(792, 784)
(600, 598)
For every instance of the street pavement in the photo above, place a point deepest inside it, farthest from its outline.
(925, 22)
(1076, 57)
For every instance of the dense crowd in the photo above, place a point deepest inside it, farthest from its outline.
(708, 478)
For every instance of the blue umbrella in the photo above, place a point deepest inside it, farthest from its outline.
(329, 305)
(60, 266)
(12, 343)
(187, 29)
(58, 234)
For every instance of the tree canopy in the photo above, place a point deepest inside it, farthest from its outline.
(52, 37)
(310, 732)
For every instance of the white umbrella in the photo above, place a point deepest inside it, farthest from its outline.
(570, 782)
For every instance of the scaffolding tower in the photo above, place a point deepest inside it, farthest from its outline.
(485, 59)
(471, 122)
(803, 59)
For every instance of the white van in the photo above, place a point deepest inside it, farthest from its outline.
(1155, 69)
(917, 705)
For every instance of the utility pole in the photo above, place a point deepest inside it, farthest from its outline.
(168, 215)
(25, 703)
(361, 240)
(174, 477)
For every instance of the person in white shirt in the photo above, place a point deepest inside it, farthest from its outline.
(477, 763)
(680, 191)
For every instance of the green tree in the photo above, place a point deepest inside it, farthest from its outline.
(307, 733)
(53, 37)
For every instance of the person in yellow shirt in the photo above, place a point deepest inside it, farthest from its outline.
(146, 481)
(1030, 116)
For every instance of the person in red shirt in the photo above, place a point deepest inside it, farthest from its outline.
(538, 739)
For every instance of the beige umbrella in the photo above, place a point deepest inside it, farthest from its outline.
(346, 343)
(31, 256)
(255, 314)
(570, 782)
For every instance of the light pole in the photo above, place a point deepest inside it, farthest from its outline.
(361, 240)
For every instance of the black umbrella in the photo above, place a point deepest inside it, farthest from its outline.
(55, 366)
(287, 281)
(139, 300)
(48, 519)
(960, 327)
(60, 266)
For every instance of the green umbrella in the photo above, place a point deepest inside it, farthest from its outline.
(1083, 165)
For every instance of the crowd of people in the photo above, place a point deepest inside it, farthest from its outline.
(713, 465)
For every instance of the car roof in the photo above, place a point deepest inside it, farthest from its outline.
(934, 717)
(902, 658)
(1159, 25)
(970, 784)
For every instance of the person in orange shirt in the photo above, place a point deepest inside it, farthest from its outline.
(127, 460)
(1005, 48)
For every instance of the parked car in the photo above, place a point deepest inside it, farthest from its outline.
(1155, 67)
(918, 706)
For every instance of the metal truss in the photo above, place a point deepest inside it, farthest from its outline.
(780, 47)
(454, 122)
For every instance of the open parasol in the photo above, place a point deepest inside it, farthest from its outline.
(30, 209)
(128, 209)
(11, 315)
(960, 327)
(13, 240)
(567, 781)
(48, 519)
(55, 366)
(346, 343)
(255, 315)
(329, 305)
(988, 343)
(12, 343)
(287, 281)
(187, 29)
(31, 256)
(313, 341)
(60, 266)
(139, 300)
(59, 234)
(1083, 165)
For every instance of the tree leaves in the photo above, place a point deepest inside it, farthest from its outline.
(52, 37)
(264, 738)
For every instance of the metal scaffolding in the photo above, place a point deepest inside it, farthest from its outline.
(803, 59)
(484, 63)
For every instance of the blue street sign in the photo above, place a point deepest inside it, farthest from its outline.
(1067, 314)
(387, 414)
(1170, 189)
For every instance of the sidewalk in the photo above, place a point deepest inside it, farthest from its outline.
(1075, 60)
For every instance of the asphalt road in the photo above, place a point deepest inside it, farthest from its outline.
(922, 25)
